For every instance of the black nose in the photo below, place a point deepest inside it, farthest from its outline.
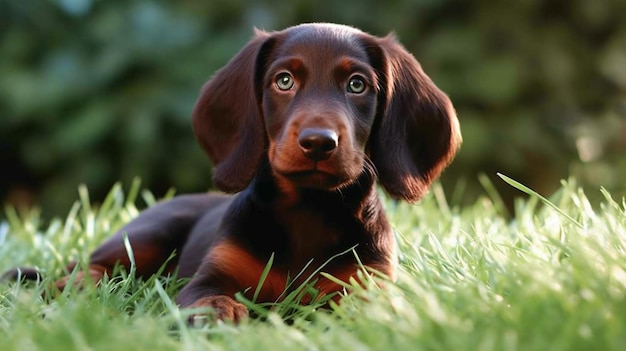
(317, 143)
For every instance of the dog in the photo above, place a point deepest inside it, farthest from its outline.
(302, 124)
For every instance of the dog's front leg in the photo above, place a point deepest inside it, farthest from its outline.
(227, 269)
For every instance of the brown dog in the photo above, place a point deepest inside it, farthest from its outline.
(302, 123)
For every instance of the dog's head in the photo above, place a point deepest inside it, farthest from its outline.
(325, 103)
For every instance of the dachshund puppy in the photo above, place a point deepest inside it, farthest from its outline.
(302, 123)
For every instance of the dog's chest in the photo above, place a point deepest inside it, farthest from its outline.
(311, 236)
(302, 239)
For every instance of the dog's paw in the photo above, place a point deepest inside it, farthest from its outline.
(223, 308)
(80, 279)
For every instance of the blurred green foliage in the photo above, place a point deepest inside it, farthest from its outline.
(100, 91)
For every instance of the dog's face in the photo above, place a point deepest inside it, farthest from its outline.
(325, 103)
(318, 95)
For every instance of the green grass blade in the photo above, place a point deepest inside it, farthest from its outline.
(521, 187)
(493, 194)
(264, 274)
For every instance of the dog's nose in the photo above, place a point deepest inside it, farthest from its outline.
(317, 143)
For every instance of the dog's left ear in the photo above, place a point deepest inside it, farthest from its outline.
(416, 132)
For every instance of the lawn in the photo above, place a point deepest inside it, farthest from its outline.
(549, 276)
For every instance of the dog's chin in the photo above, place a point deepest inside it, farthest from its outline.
(314, 179)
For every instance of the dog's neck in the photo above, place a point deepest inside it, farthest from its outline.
(356, 197)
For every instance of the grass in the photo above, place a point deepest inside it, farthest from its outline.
(550, 276)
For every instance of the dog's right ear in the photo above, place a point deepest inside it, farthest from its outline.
(227, 117)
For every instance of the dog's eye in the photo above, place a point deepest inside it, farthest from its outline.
(356, 85)
(284, 81)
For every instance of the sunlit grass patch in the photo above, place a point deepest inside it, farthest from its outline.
(549, 275)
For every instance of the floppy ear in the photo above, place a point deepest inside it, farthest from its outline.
(227, 118)
(416, 133)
